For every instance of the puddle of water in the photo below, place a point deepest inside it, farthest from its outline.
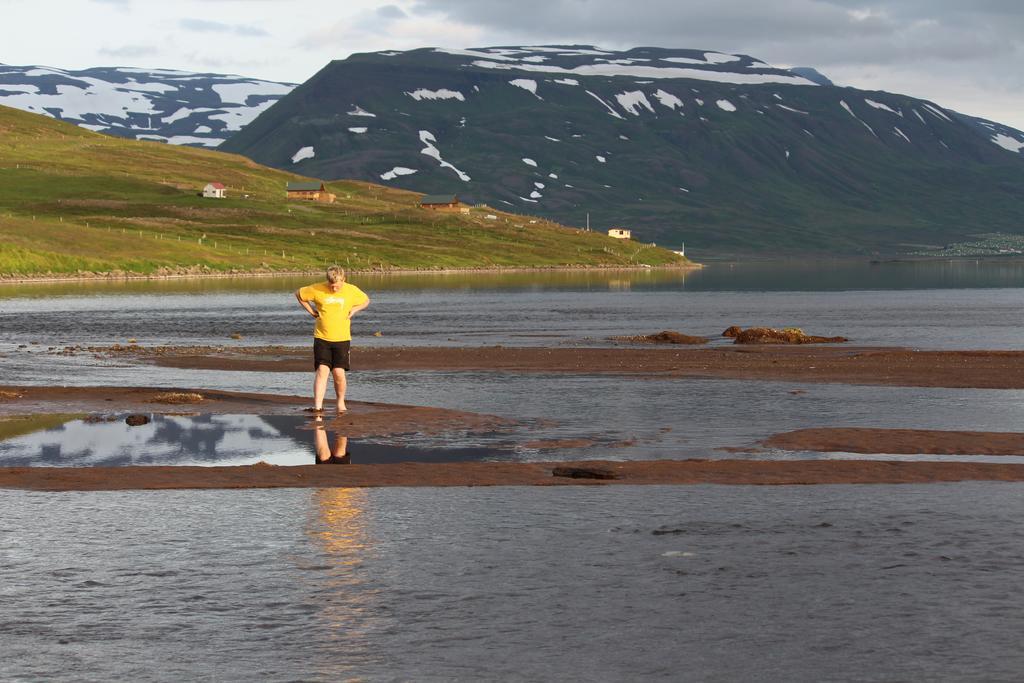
(207, 440)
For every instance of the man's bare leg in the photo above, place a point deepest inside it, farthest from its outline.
(340, 384)
(320, 386)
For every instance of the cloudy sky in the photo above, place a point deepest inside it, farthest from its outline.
(967, 55)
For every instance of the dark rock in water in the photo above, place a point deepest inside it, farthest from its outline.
(136, 420)
(732, 331)
(584, 473)
(789, 335)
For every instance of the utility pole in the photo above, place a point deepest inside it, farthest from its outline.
(588, 221)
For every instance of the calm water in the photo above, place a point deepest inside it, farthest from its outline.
(926, 305)
(109, 441)
(828, 583)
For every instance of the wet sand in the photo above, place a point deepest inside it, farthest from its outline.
(362, 419)
(899, 441)
(846, 365)
(503, 474)
(377, 419)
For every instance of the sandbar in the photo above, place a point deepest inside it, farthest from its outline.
(756, 472)
(898, 441)
(846, 365)
(362, 419)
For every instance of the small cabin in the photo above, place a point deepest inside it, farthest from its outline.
(214, 190)
(310, 192)
(442, 202)
(621, 233)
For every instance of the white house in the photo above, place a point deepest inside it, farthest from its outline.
(215, 190)
(620, 233)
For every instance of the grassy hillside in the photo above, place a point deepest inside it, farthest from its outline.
(75, 202)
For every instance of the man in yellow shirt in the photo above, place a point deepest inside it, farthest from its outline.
(332, 303)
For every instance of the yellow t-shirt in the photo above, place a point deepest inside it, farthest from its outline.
(333, 323)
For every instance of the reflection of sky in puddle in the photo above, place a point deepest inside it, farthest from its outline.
(212, 440)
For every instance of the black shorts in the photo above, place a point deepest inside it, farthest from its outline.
(331, 354)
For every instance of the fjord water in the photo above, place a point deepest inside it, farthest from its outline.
(695, 583)
(948, 304)
(962, 304)
(596, 584)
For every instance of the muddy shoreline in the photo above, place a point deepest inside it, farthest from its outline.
(483, 270)
(363, 419)
(824, 364)
(378, 419)
(677, 472)
(898, 441)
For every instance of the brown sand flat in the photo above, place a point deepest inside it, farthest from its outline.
(503, 474)
(849, 365)
(901, 441)
(363, 419)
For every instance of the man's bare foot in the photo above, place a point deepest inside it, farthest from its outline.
(342, 408)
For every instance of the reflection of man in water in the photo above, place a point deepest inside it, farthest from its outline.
(336, 302)
(325, 455)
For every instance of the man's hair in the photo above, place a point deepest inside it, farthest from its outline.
(335, 274)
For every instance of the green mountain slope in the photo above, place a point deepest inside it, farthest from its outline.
(73, 201)
(723, 152)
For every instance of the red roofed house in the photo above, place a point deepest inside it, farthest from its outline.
(215, 190)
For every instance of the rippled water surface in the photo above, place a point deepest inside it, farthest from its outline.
(694, 583)
(827, 583)
(927, 305)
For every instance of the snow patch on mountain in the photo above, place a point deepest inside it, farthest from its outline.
(726, 105)
(850, 112)
(359, 111)
(607, 106)
(239, 93)
(427, 138)
(600, 158)
(238, 118)
(529, 162)
(303, 153)
(397, 171)
(358, 130)
(901, 133)
(936, 111)
(711, 58)
(882, 106)
(567, 81)
(667, 99)
(643, 71)
(631, 101)
(797, 111)
(527, 84)
(1008, 143)
(181, 139)
(131, 102)
(441, 94)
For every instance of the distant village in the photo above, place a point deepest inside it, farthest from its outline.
(315, 191)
